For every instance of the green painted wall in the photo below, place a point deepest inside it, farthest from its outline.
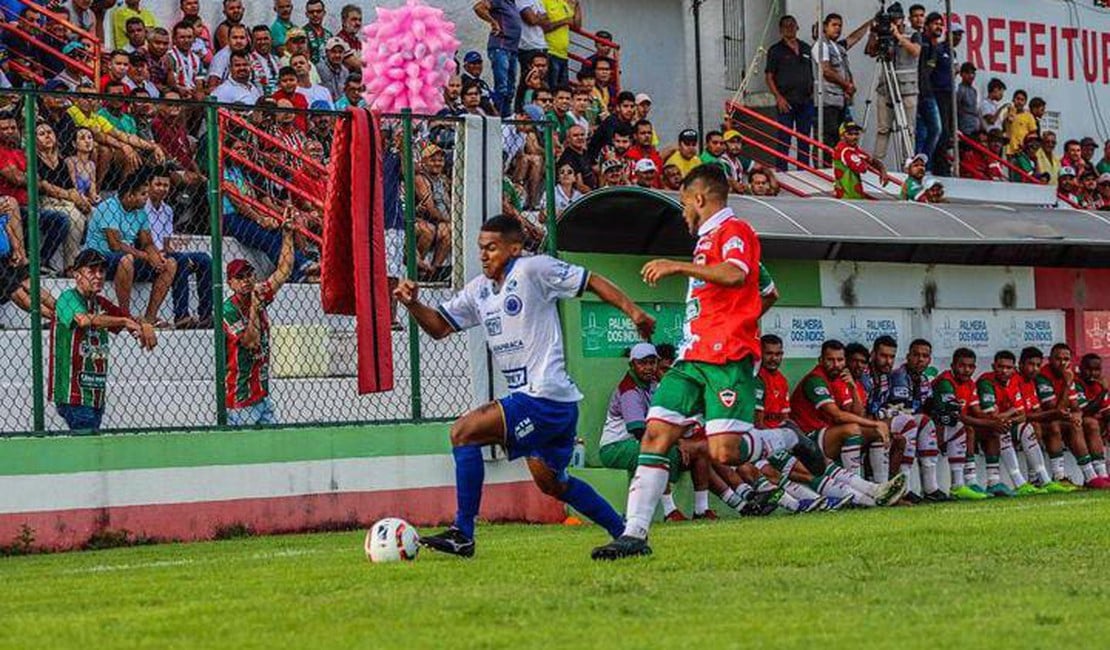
(68, 454)
(798, 282)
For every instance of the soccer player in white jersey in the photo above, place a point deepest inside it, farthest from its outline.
(514, 300)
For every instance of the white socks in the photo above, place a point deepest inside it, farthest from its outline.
(701, 501)
(643, 493)
(668, 504)
(879, 459)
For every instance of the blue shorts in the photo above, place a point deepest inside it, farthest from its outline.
(540, 428)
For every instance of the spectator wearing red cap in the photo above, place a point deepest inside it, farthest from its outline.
(247, 334)
(1026, 159)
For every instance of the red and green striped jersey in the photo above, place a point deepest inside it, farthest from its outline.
(79, 355)
(849, 163)
(248, 370)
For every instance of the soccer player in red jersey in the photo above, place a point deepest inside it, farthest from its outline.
(1094, 401)
(1000, 399)
(714, 377)
(1059, 393)
(1032, 434)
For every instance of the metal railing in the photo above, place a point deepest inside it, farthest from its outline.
(31, 66)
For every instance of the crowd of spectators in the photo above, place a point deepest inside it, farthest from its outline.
(927, 80)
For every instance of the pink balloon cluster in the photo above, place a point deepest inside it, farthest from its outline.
(407, 56)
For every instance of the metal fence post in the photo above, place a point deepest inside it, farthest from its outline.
(215, 225)
(33, 237)
(549, 188)
(408, 171)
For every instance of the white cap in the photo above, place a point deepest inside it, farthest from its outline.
(1066, 171)
(931, 182)
(643, 97)
(642, 351)
(645, 165)
(912, 159)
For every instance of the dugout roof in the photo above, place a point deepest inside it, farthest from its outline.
(634, 220)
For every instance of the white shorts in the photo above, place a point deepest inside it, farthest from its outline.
(394, 253)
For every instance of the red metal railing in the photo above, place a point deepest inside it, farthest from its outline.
(306, 164)
(594, 40)
(1024, 175)
(18, 27)
(732, 106)
(228, 117)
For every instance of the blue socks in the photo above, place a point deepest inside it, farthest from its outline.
(586, 500)
(470, 472)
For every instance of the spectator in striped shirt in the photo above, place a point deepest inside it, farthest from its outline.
(79, 344)
(247, 329)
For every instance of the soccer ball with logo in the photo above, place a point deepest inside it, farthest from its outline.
(391, 540)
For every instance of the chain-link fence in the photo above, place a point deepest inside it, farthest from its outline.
(527, 178)
(207, 222)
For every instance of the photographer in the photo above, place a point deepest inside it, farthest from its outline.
(934, 72)
(839, 87)
(891, 41)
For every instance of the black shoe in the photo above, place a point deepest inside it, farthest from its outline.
(622, 547)
(937, 496)
(912, 497)
(451, 541)
(762, 504)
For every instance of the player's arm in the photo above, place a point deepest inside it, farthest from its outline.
(817, 391)
(604, 288)
(725, 274)
(431, 320)
(768, 291)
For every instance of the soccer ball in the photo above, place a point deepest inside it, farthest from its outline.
(391, 540)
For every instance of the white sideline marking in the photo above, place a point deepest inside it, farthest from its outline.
(158, 564)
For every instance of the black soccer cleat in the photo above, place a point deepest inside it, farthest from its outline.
(451, 541)
(807, 451)
(622, 547)
(762, 504)
(912, 498)
(937, 496)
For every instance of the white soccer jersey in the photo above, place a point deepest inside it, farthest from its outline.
(522, 323)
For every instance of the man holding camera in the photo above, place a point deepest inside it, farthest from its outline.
(891, 41)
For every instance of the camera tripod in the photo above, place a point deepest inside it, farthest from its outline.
(902, 130)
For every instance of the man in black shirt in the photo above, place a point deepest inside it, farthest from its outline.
(789, 74)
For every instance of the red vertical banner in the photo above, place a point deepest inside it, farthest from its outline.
(1096, 333)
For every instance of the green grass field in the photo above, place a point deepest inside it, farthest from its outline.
(1027, 573)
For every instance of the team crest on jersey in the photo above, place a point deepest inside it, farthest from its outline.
(734, 243)
(821, 391)
(699, 259)
(513, 304)
(727, 397)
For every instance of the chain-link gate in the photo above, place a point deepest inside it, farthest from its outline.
(196, 213)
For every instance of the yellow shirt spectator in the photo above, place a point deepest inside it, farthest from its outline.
(558, 40)
(685, 165)
(120, 16)
(1050, 165)
(1023, 125)
(95, 123)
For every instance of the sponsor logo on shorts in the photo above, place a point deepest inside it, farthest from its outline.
(727, 397)
(523, 428)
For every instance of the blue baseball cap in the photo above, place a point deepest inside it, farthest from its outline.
(472, 57)
(534, 113)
